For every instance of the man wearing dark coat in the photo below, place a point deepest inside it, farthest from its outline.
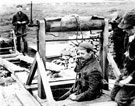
(88, 84)
(20, 20)
(119, 37)
(124, 92)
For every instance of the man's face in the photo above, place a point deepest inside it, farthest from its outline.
(19, 9)
(83, 55)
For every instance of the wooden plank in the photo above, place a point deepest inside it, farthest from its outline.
(31, 87)
(10, 66)
(105, 50)
(24, 96)
(6, 48)
(41, 90)
(9, 55)
(116, 70)
(12, 58)
(45, 80)
(42, 51)
(14, 39)
(27, 59)
(109, 103)
(32, 73)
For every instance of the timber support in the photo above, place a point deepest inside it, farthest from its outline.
(39, 64)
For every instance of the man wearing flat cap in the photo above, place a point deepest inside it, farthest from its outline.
(123, 92)
(88, 84)
(20, 21)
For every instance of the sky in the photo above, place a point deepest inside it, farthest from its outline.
(8, 2)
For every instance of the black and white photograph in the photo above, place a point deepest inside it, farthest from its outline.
(67, 53)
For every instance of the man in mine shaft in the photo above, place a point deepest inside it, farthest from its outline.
(88, 84)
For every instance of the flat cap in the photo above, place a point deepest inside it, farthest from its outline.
(128, 20)
(85, 45)
(19, 6)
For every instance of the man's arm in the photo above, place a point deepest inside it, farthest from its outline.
(14, 21)
(26, 21)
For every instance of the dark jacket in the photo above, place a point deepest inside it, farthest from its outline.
(88, 84)
(119, 38)
(130, 61)
(20, 28)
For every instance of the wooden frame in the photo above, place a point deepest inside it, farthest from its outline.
(40, 59)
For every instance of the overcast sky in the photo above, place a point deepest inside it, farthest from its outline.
(39, 1)
(10, 2)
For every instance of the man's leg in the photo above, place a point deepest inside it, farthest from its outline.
(18, 43)
(125, 96)
(25, 44)
(114, 91)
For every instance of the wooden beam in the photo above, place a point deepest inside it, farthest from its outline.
(45, 80)
(42, 51)
(14, 40)
(9, 55)
(42, 43)
(26, 59)
(32, 73)
(31, 87)
(74, 23)
(24, 96)
(11, 67)
(116, 70)
(41, 90)
(109, 103)
(105, 50)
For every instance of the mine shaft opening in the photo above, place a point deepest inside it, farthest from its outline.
(55, 85)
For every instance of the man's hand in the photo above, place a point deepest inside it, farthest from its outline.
(72, 97)
(23, 22)
(18, 22)
(125, 81)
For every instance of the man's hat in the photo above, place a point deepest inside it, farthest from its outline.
(19, 6)
(85, 45)
(128, 20)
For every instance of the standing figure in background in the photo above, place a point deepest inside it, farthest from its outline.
(124, 92)
(119, 37)
(88, 84)
(20, 21)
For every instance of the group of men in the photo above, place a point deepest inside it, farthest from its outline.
(88, 84)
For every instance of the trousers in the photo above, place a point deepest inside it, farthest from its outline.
(123, 95)
(22, 47)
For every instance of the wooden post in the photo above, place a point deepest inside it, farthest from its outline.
(42, 51)
(105, 50)
(14, 40)
(111, 61)
(32, 73)
(45, 80)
